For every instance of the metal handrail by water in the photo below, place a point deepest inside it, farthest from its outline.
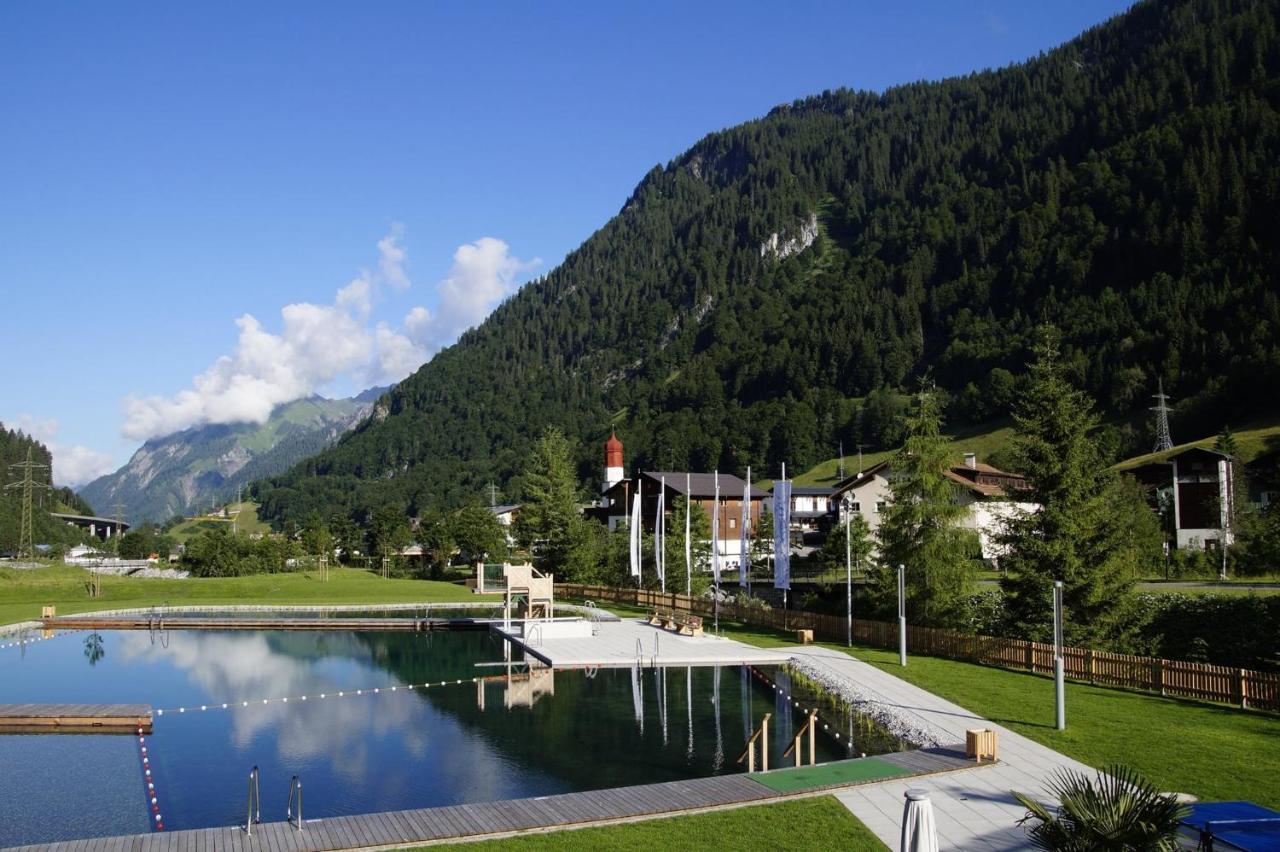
(295, 785)
(254, 813)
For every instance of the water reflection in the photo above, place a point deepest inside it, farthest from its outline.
(550, 732)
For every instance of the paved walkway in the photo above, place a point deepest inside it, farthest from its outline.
(973, 808)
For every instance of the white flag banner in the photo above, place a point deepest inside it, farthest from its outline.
(635, 532)
(782, 535)
(744, 550)
(660, 535)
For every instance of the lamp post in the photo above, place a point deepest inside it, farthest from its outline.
(1060, 698)
(848, 565)
(902, 615)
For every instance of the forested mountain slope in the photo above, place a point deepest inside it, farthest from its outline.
(189, 470)
(769, 292)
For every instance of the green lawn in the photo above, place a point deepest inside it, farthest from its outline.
(22, 593)
(246, 521)
(819, 823)
(1211, 750)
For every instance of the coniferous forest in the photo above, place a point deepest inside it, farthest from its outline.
(14, 445)
(772, 291)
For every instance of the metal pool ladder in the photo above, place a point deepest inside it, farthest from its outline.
(254, 813)
(295, 786)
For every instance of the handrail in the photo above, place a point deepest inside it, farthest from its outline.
(532, 628)
(749, 753)
(811, 727)
(253, 815)
(294, 785)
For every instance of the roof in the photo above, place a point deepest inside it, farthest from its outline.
(613, 443)
(704, 484)
(857, 480)
(980, 488)
(503, 510)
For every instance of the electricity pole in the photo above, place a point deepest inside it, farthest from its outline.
(25, 488)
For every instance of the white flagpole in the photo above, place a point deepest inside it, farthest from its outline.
(715, 547)
(688, 546)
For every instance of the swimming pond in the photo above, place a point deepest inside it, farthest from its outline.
(503, 732)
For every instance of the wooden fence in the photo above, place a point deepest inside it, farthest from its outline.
(1242, 687)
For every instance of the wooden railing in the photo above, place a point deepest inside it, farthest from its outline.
(1226, 684)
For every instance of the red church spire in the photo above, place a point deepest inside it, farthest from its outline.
(613, 452)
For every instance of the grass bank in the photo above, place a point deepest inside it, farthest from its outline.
(23, 593)
(1210, 750)
(819, 823)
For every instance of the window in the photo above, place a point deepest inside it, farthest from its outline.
(733, 523)
(880, 504)
(856, 506)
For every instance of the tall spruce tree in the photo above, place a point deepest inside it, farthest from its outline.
(921, 526)
(546, 523)
(1075, 535)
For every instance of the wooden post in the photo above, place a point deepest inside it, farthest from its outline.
(1089, 656)
(1159, 675)
(764, 743)
(795, 744)
(751, 756)
(1031, 656)
(1242, 689)
(813, 725)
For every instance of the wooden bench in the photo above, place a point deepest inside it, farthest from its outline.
(980, 743)
(689, 625)
(804, 637)
(663, 618)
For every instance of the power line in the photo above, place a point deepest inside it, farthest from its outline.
(26, 486)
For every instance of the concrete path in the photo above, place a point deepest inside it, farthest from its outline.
(973, 808)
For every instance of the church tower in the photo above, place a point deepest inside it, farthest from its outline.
(612, 462)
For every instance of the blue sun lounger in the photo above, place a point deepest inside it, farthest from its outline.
(1235, 826)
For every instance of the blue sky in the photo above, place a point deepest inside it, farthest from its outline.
(168, 169)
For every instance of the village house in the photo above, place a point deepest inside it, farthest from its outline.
(989, 494)
(619, 492)
(1194, 491)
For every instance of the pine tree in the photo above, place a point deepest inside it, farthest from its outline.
(1075, 535)
(545, 524)
(921, 526)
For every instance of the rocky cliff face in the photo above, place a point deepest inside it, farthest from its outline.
(182, 473)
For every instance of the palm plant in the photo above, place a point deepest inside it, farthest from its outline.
(1117, 810)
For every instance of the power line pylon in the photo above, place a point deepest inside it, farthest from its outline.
(25, 487)
(1163, 440)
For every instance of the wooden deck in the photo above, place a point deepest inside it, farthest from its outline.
(74, 718)
(411, 625)
(429, 825)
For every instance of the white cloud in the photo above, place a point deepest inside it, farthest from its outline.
(317, 344)
(72, 465)
(483, 274)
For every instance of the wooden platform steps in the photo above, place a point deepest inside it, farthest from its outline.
(429, 825)
(74, 718)
(177, 622)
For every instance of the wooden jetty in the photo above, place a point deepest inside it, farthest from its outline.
(178, 622)
(492, 819)
(74, 718)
